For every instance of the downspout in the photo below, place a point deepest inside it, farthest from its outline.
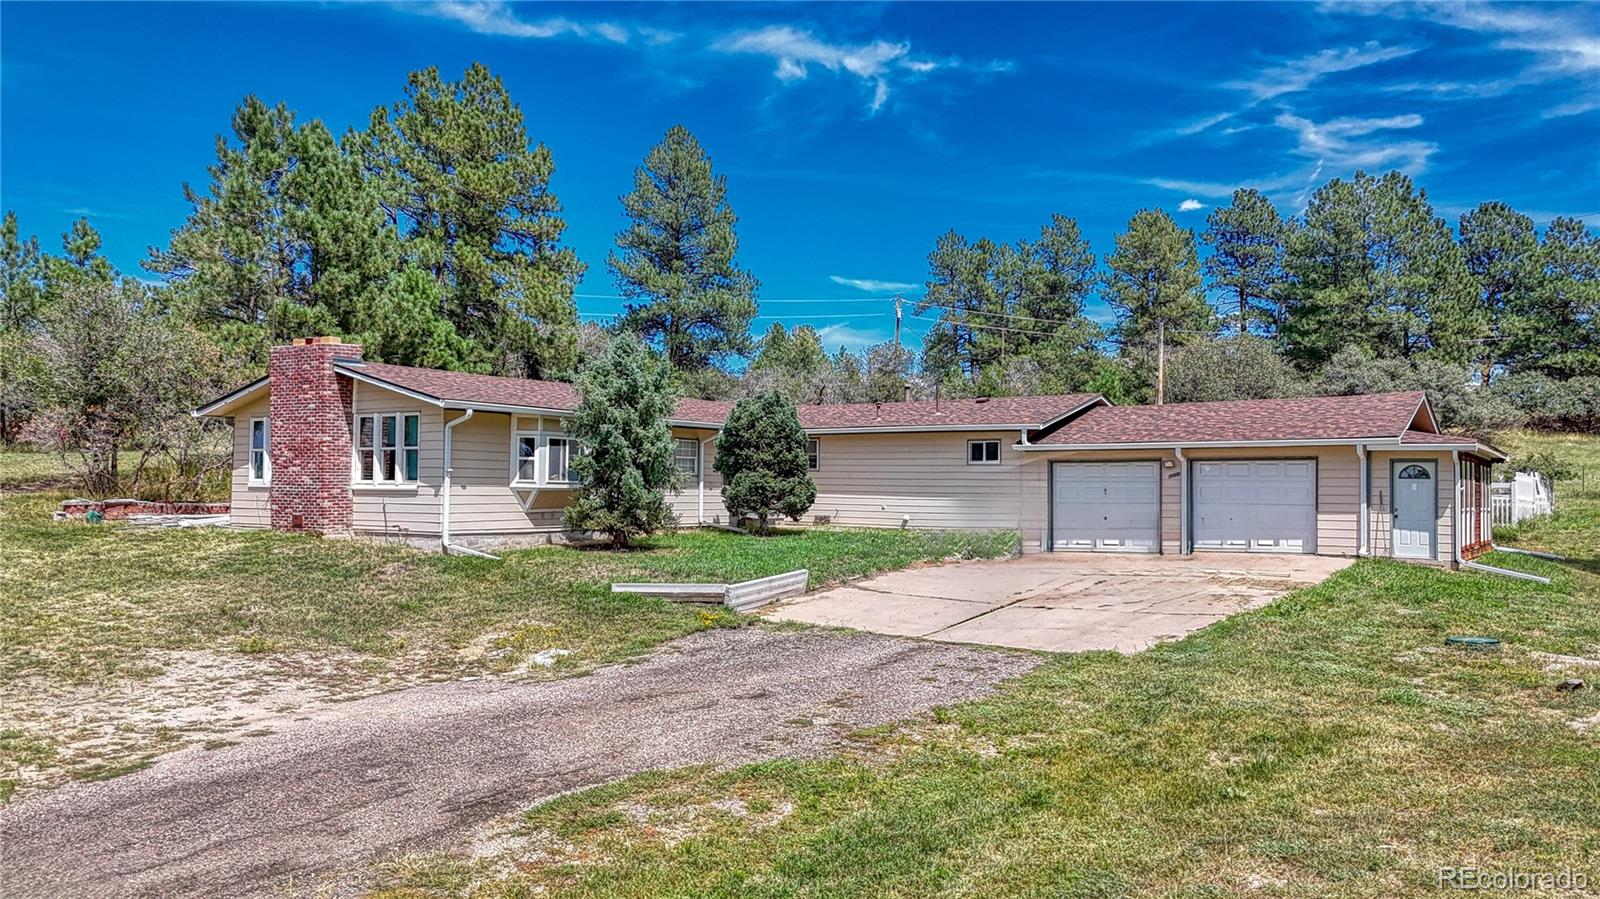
(444, 506)
(1364, 526)
(1183, 501)
(1455, 460)
(702, 468)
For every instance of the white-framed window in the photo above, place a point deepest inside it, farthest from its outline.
(541, 456)
(388, 448)
(686, 456)
(813, 454)
(558, 460)
(983, 452)
(260, 453)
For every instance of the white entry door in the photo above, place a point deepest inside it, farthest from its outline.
(1256, 506)
(1105, 506)
(1416, 509)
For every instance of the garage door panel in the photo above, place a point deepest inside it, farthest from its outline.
(1105, 506)
(1255, 506)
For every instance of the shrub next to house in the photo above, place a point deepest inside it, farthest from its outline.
(625, 463)
(761, 454)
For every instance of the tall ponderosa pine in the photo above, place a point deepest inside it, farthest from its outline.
(793, 363)
(472, 200)
(1375, 268)
(761, 455)
(1153, 278)
(998, 302)
(288, 240)
(1246, 261)
(675, 261)
(1558, 327)
(625, 464)
(21, 301)
(1501, 253)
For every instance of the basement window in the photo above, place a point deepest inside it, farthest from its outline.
(983, 452)
(260, 456)
(388, 448)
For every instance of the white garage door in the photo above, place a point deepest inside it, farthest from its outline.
(1265, 506)
(1105, 506)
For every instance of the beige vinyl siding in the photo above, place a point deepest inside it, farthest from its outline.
(1338, 489)
(1035, 501)
(481, 498)
(685, 500)
(249, 507)
(400, 510)
(923, 479)
(1382, 491)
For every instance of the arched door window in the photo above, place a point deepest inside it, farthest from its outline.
(1414, 473)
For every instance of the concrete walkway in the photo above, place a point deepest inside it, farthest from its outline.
(414, 768)
(1062, 602)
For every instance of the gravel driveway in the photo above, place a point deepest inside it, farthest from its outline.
(412, 769)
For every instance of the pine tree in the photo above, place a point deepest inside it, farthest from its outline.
(1246, 261)
(1154, 279)
(761, 454)
(1557, 328)
(675, 260)
(21, 302)
(624, 463)
(1374, 267)
(792, 363)
(472, 200)
(1501, 252)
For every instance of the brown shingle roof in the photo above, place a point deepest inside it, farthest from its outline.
(1312, 418)
(998, 412)
(1437, 439)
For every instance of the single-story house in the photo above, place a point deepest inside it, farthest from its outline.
(332, 444)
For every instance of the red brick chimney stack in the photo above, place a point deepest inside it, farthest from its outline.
(310, 436)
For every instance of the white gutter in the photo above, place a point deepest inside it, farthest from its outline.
(444, 505)
(1364, 526)
(1183, 501)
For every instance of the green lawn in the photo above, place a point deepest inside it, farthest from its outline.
(21, 469)
(80, 602)
(1328, 744)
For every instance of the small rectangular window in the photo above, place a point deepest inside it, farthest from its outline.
(686, 456)
(411, 448)
(983, 452)
(813, 455)
(260, 438)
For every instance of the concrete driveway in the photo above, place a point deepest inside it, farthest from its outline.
(1061, 602)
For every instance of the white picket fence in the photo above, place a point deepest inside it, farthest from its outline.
(1527, 496)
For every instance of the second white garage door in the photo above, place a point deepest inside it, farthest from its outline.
(1256, 506)
(1105, 506)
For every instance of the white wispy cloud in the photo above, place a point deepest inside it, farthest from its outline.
(1356, 143)
(835, 337)
(1293, 76)
(795, 51)
(1576, 107)
(1190, 205)
(1562, 41)
(494, 17)
(872, 285)
(1296, 75)
(1223, 189)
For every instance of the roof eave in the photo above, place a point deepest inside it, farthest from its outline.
(1216, 444)
(218, 407)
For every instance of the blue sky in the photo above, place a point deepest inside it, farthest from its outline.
(851, 135)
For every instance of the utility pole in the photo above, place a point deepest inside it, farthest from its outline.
(1161, 362)
(898, 299)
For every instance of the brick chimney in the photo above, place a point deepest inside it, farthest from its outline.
(310, 436)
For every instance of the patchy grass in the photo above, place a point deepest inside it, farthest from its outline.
(1573, 530)
(117, 642)
(1328, 744)
(25, 469)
